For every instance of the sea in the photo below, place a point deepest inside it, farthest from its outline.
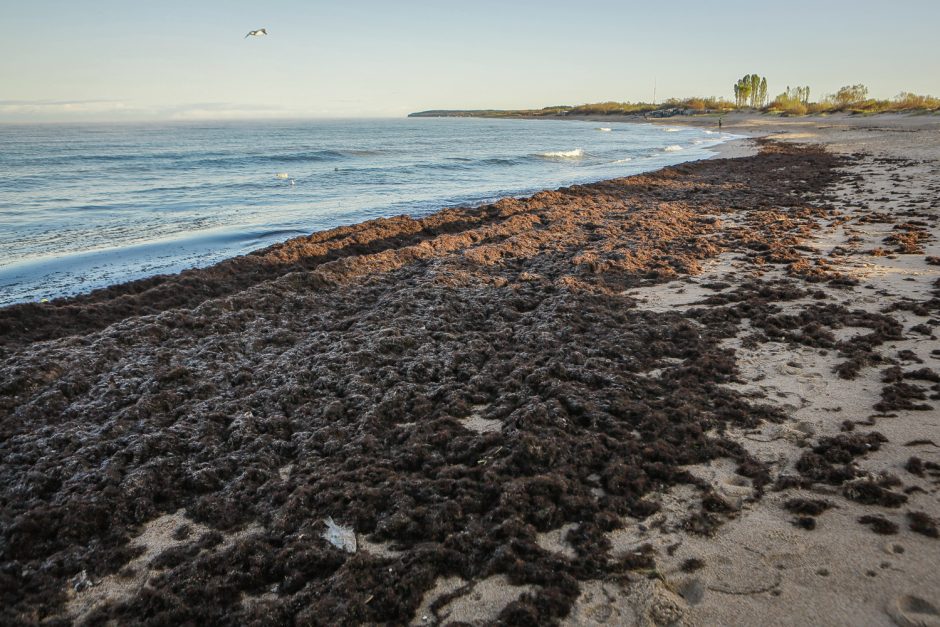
(86, 206)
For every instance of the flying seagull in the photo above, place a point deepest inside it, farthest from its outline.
(261, 32)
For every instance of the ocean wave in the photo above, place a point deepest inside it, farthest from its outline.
(499, 161)
(604, 129)
(313, 155)
(672, 130)
(247, 236)
(624, 160)
(485, 160)
(673, 148)
(577, 153)
(351, 152)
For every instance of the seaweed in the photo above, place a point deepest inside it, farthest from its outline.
(809, 507)
(333, 376)
(923, 523)
(879, 524)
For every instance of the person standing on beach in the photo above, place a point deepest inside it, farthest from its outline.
(719, 123)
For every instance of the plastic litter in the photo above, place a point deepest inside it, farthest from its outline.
(341, 537)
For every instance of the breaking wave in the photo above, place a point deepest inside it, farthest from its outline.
(577, 153)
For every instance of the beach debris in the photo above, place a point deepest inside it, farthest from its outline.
(533, 461)
(923, 523)
(261, 32)
(879, 524)
(807, 507)
(81, 581)
(343, 538)
(282, 175)
(867, 492)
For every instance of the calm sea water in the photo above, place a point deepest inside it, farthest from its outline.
(82, 207)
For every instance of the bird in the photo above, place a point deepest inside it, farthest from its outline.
(261, 32)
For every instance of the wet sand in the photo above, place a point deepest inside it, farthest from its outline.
(705, 395)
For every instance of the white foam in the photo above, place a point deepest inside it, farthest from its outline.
(624, 160)
(604, 129)
(673, 148)
(577, 153)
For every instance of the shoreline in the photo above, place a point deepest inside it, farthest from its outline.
(662, 399)
(226, 266)
(38, 272)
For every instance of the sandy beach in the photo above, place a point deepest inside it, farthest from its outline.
(706, 395)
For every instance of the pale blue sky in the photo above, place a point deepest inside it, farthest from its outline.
(124, 59)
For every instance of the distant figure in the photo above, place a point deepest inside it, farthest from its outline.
(719, 124)
(261, 32)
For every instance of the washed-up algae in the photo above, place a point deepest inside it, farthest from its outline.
(327, 378)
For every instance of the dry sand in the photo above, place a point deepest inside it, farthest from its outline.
(762, 530)
(760, 569)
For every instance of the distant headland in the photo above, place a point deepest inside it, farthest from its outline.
(750, 95)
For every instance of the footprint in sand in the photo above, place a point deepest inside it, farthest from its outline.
(742, 576)
(692, 590)
(735, 489)
(911, 611)
(731, 487)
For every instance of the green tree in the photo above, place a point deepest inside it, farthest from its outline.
(850, 95)
(750, 91)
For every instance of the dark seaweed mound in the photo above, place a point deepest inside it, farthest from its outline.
(352, 357)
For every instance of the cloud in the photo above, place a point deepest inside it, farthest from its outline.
(226, 111)
(57, 107)
(117, 110)
(24, 111)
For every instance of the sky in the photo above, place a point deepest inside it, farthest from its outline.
(113, 60)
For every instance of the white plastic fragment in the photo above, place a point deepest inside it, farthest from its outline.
(341, 537)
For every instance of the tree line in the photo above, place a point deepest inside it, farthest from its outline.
(751, 91)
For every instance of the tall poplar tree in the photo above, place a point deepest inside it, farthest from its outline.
(750, 90)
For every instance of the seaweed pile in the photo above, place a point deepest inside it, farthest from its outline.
(338, 376)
